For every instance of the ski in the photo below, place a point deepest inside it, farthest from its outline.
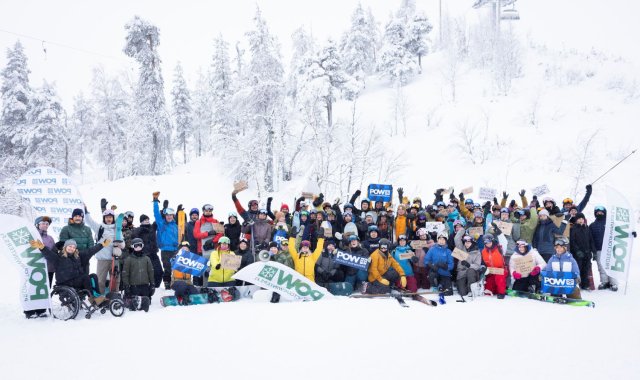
(424, 300)
(366, 295)
(400, 300)
(550, 298)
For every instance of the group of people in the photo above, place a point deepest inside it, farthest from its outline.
(409, 246)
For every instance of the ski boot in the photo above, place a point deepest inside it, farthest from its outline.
(613, 287)
(226, 295)
(144, 304)
(167, 285)
(131, 303)
(500, 296)
(604, 285)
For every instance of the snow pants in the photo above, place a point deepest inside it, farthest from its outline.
(496, 283)
(584, 264)
(412, 284)
(377, 287)
(104, 268)
(604, 279)
(422, 277)
(166, 266)
(463, 283)
(157, 269)
(442, 282)
(357, 278)
(524, 283)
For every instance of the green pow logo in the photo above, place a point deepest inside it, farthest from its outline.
(268, 272)
(622, 215)
(20, 237)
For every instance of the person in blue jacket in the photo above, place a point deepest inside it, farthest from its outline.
(563, 261)
(167, 236)
(439, 260)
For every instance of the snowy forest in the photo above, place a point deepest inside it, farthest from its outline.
(252, 109)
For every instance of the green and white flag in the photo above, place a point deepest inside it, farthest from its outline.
(15, 234)
(617, 244)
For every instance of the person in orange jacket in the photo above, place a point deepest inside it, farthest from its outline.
(493, 257)
(384, 270)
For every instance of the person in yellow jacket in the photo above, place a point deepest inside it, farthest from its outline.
(304, 260)
(384, 270)
(218, 276)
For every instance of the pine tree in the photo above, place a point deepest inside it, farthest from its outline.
(153, 128)
(15, 95)
(417, 30)
(263, 93)
(45, 142)
(396, 61)
(81, 125)
(202, 114)
(303, 48)
(221, 84)
(358, 45)
(182, 110)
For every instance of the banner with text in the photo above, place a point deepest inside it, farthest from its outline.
(51, 193)
(353, 261)
(617, 244)
(190, 263)
(378, 192)
(15, 234)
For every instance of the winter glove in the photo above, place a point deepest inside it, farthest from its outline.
(496, 229)
(535, 271)
(400, 192)
(357, 193)
(512, 204)
(634, 234)
(36, 244)
(180, 208)
(522, 192)
(452, 197)
(103, 204)
(465, 263)
(156, 194)
(218, 267)
(384, 281)
(269, 200)
(443, 266)
(336, 203)
(106, 243)
(517, 275)
(486, 206)
(495, 201)
(403, 282)
(415, 259)
(211, 233)
(208, 245)
(482, 269)
(461, 196)
(589, 188)
(165, 204)
(505, 195)
(113, 207)
(535, 198)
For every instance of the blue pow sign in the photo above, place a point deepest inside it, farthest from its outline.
(378, 192)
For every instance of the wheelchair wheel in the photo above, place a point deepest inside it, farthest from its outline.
(65, 303)
(116, 307)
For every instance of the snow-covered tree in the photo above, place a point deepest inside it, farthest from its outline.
(303, 48)
(45, 141)
(263, 94)
(15, 94)
(417, 31)
(182, 110)
(81, 125)
(221, 85)
(358, 45)
(153, 128)
(396, 61)
(202, 114)
(110, 135)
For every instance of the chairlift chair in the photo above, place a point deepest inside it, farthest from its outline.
(509, 14)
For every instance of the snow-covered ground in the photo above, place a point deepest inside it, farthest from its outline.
(576, 83)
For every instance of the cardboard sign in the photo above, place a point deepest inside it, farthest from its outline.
(328, 230)
(524, 265)
(506, 227)
(378, 192)
(498, 271)
(434, 226)
(460, 254)
(240, 185)
(540, 190)
(417, 244)
(475, 232)
(467, 190)
(353, 261)
(230, 262)
(218, 228)
(487, 193)
(406, 255)
(307, 195)
(449, 190)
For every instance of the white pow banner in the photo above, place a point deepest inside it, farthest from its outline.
(15, 234)
(617, 245)
(51, 193)
(283, 280)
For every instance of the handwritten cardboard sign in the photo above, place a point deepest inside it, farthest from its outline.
(434, 226)
(218, 228)
(506, 227)
(498, 271)
(416, 244)
(407, 255)
(230, 262)
(487, 193)
(307, 195)
(460, 254)
(467, 190)
(475, 232)
(524, 265)
(240, 185)
(540, 190)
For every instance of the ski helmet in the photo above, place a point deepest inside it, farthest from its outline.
(224, 240)
(207, 207)
(108, 212)
(194, 211)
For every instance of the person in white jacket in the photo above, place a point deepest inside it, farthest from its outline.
(526, 282)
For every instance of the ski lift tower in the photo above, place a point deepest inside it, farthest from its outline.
(497, 13)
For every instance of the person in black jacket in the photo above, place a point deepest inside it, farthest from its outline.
(69, 264)
(194, 215)
(582, 248)
(597, 233)
(147, 232)
(232, 230)
(327, 269)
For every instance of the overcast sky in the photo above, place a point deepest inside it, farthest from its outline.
(188, 27)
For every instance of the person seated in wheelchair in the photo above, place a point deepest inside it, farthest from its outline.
(137, 274)
(69, 263)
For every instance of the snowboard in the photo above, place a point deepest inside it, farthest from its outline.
(182, 221)
(340, 288)
(550, 298)
(194, 299)
(119, 227)
(262, 295)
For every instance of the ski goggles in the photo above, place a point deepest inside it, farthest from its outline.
(599, 208)
(233, 214)
(129, 214)
(522, 243)
(138, 245)
(207, 207)
(169, 211)
(253, 203)
(468, 239)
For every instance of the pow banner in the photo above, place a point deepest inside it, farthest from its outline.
(617, 244)
(557, 283)
(190, 263)
(353, 261)
(51, 193)
(15, 234)
(283, 280)
(379, 192)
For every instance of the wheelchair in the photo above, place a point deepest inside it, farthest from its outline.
(66, 303)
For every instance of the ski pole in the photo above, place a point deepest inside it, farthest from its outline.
(619, 162)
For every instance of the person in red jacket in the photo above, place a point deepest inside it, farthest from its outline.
(492, 256)
(206, 236)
